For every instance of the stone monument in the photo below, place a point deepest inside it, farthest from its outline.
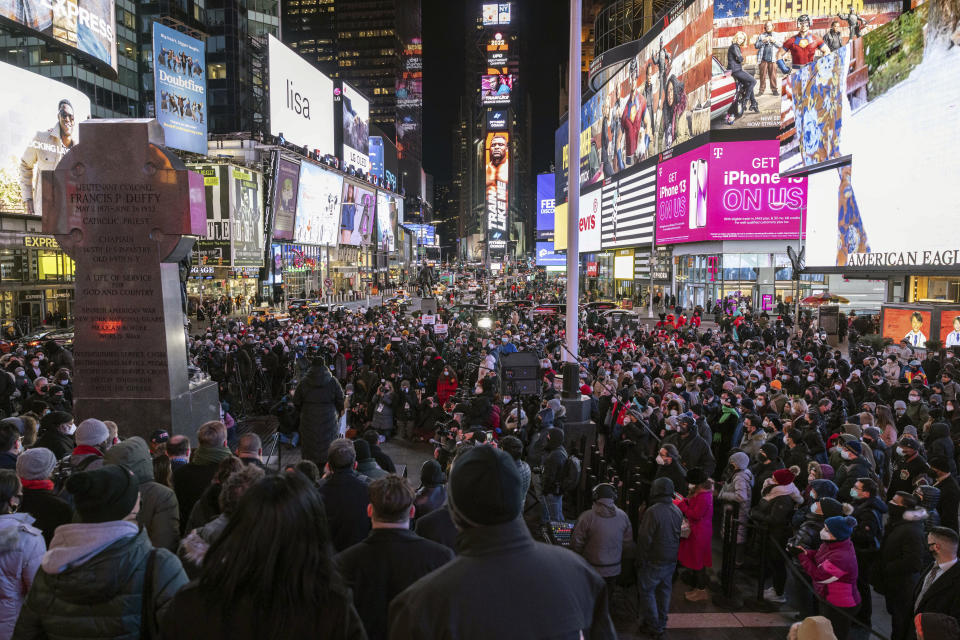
(126, 210)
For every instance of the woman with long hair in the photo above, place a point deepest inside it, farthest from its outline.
(887, 425)
(270, 574)
(745, 81)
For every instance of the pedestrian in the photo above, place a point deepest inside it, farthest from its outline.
(21, 551)
(868, 509)
(346, 495)
(319, 399)
(552, 476)
(192, 479)
(903, 551)
(736, 492)
(34, 467)
(774, 511)
(695, 552)
(602, 532)
(658, 543)
(938, 589)
(833, 569)
(432, 493)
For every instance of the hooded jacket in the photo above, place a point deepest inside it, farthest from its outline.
(904, 549)
(739, 488)
(600, 535)
(159, 512)
(833, 569)
(91, 584)
(21, 549)
(658, 535)
(939, 443)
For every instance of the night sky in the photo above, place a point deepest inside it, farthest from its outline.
(545, 25)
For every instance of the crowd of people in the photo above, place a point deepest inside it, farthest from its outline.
(837, 471)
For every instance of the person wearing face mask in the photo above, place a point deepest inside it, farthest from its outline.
(868, 510)
(11, 445)
(768, 462)
(904, 555)
(945, 481)
(21, 551)
(807, 537)
(772, 513)
(695, 551)
(406, 412)
(738, 488)
(832, 567)
(103, 545)
(881, 454)
(917, 411)
(670, 466)
(728, 430)
(854, 466)
(694, 449)
(753, 435)
(938, 589)
(56, 433)
(906, 467)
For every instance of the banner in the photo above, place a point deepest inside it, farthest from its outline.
(285, 199)
(497, 189)
(88, 27)
(545, 205)
(356, 129)
(214, 248)
(246, 218)
(389, 212)
(180, 88)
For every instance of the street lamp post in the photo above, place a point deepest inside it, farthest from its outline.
(571, 371)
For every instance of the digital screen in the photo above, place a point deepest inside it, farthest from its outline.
(498, 61)
(869, 213)
(623, 266)
(356, 128)
(301, 100)
(906, 324)
(389, 214)
(497, 183)
(246, 218)
(376, 156)
(180, 88)
(589, 221)
(545, 205)
(546, 256)
(35, 119)
(287, 185)
(426, 234)
(409, 91)
(496, 119)
(357, 211)
(496, 89)
(495, 13)
(728, 191)
(84, 26)
(318, 206)
(213, 249)
(950, 327)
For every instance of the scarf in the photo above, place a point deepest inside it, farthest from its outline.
(44, 485)
(85, 449)
(210, 455)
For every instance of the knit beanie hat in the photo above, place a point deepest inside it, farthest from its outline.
(831, 507)
(431, 474)
(104, 494)
(841, 526)
(91, 432)
(854, 446)
(872, 432)
(36, 464)
(740, 460)
(485, 487)
(770, 450)
(54, 419)
(605, 490)
(696, 476)
(17, 422)
(363, 449)
(783, 477)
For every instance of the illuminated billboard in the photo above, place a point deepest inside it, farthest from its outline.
(869, 209)
(409, 91)
(180, 88)
(301, 100)
(40, 118)
(389, 215)
(495, 13)
(318, 205)
(496, 89)
(356, 128)
(588, 222)
(545, 205)
(286, 186)
(497, 184)
(546, 257)
(356, 213)
(497, 119)
(86, 27)
(246, 218)
(213, 249)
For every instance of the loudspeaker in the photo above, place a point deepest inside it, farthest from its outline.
(519, 374)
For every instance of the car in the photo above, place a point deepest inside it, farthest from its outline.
(297, 304)
(549, 310)
(36, 338)
(723, 89)
(601, 305)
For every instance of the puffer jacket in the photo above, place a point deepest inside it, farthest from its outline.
(21, 549)
(91, 584)
(739, 489)
(159, 511)
(939, 444)
(600, 535)
(833, 569)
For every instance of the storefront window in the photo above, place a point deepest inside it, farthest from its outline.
(54, 266)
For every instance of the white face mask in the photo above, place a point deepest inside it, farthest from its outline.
(811, 378)
(813, 508)
(826, 536)
(846, 455)
(71, 429)
(673, 412)
(759, 403)
(660, 461)
(899, 451)
(837, 387)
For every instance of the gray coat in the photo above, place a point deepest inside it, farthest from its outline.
(600, 535)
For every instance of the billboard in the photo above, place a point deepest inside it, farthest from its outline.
(246, 218)
(496, 119)
(389, 213)
(409, 91)
(356, 213)
(545, 204)
(496, 89)
(376, 156)
(356, 128)
(546, 256)
(591, 139)
(629, 206)
(728, 191)
(588, 223)
(180, 88)
(318, 205)
(750, 38)
(870, 209)
(213, 249)
(497, 13)
(910, 325)
(301, 100)
(86, 27)
(285, 190)
(426, 234)
(40, 118)
(497, 157)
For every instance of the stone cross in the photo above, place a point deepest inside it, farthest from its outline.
(122, 207)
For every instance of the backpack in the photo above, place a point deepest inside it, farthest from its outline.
(570, 474)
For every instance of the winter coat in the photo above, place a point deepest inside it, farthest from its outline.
(739, 489)
(319, 398)
(49, 511)
(943, 595)
(159, 512)
(696, 453)
(868, 533)
(904, 550)
(443, 604)
(775, 510)
(695, 550)
(60, 443)
(92, 581)
(949, 501)
(345, 499)
(833, 570)
(939, 444)
(438, 526)
(658, 534)
(849, 473)
(446, 387)
(21, 549)
(751, 443)
(675, 471)
(807, 534)
(382, 408)
(192, 479)
(429, 499)
(600, 535)
(193, 548)
(381, 566)
(371, 469)
(553, 469)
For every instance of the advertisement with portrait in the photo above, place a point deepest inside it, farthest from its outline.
(301, 100)
(905, 324)
(545, 205)
(318, 206)
(389, 213)
(546, 256)
(356, 128)
(866, 213)
(754, 39)
(409, 92)
(660, 97)
(86, 27)
(591, 140)
(287, 185)
(357, 212)
(496, 88)
(213, 249)
(246, 218)
(497, 184)
(949, 333)
(40, 118)
(180, 88)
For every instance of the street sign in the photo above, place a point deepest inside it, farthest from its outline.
(327, 282)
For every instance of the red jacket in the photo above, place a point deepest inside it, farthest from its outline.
(445, 389)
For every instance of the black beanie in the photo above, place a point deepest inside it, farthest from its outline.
(431, 473)
(104, 494)
(485, 487)
(363, 449)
